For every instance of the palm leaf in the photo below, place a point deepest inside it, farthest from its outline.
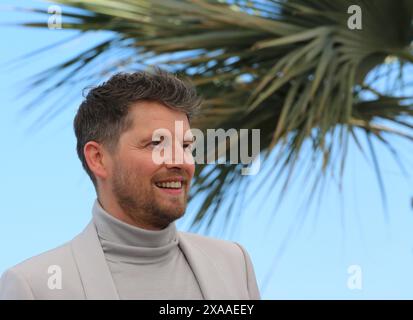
(291, 68)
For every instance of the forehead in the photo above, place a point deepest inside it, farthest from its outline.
(152, 115)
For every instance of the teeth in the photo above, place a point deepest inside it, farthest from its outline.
(171, 185)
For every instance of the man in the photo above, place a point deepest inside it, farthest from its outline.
(131, 248)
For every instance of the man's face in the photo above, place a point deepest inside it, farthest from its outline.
(150, 193)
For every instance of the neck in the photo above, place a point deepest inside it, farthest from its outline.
(115, 210)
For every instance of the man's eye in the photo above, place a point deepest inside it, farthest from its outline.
(188, 146)
(155, 143)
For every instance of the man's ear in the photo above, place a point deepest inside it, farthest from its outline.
(97, 159)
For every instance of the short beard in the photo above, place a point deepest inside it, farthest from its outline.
(139, 203)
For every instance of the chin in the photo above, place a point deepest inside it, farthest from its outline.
(174, 214)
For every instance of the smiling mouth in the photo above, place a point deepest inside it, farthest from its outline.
(172, 187)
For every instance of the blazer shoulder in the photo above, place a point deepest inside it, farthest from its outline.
(48, 258)
(210, 244)
(226, 254)
(229, 256)
(32, 278)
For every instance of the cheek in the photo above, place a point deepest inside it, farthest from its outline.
(145, 167)
(191, 169)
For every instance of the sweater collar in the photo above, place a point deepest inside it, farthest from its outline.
(125, 242)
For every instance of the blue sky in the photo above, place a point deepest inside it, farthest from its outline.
(45, 197)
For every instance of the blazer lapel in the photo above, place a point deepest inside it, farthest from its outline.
(94, 272)
(98, 283)
(210, 279)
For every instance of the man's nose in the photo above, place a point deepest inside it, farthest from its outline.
(179, 156)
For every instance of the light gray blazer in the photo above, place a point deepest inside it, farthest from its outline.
(223, 270)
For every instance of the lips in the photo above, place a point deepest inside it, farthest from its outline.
(171, 191)
(171, 179)
(173, 182)
(173, 185)
(169, 184)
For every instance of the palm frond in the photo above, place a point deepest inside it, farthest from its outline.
(291, 68)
